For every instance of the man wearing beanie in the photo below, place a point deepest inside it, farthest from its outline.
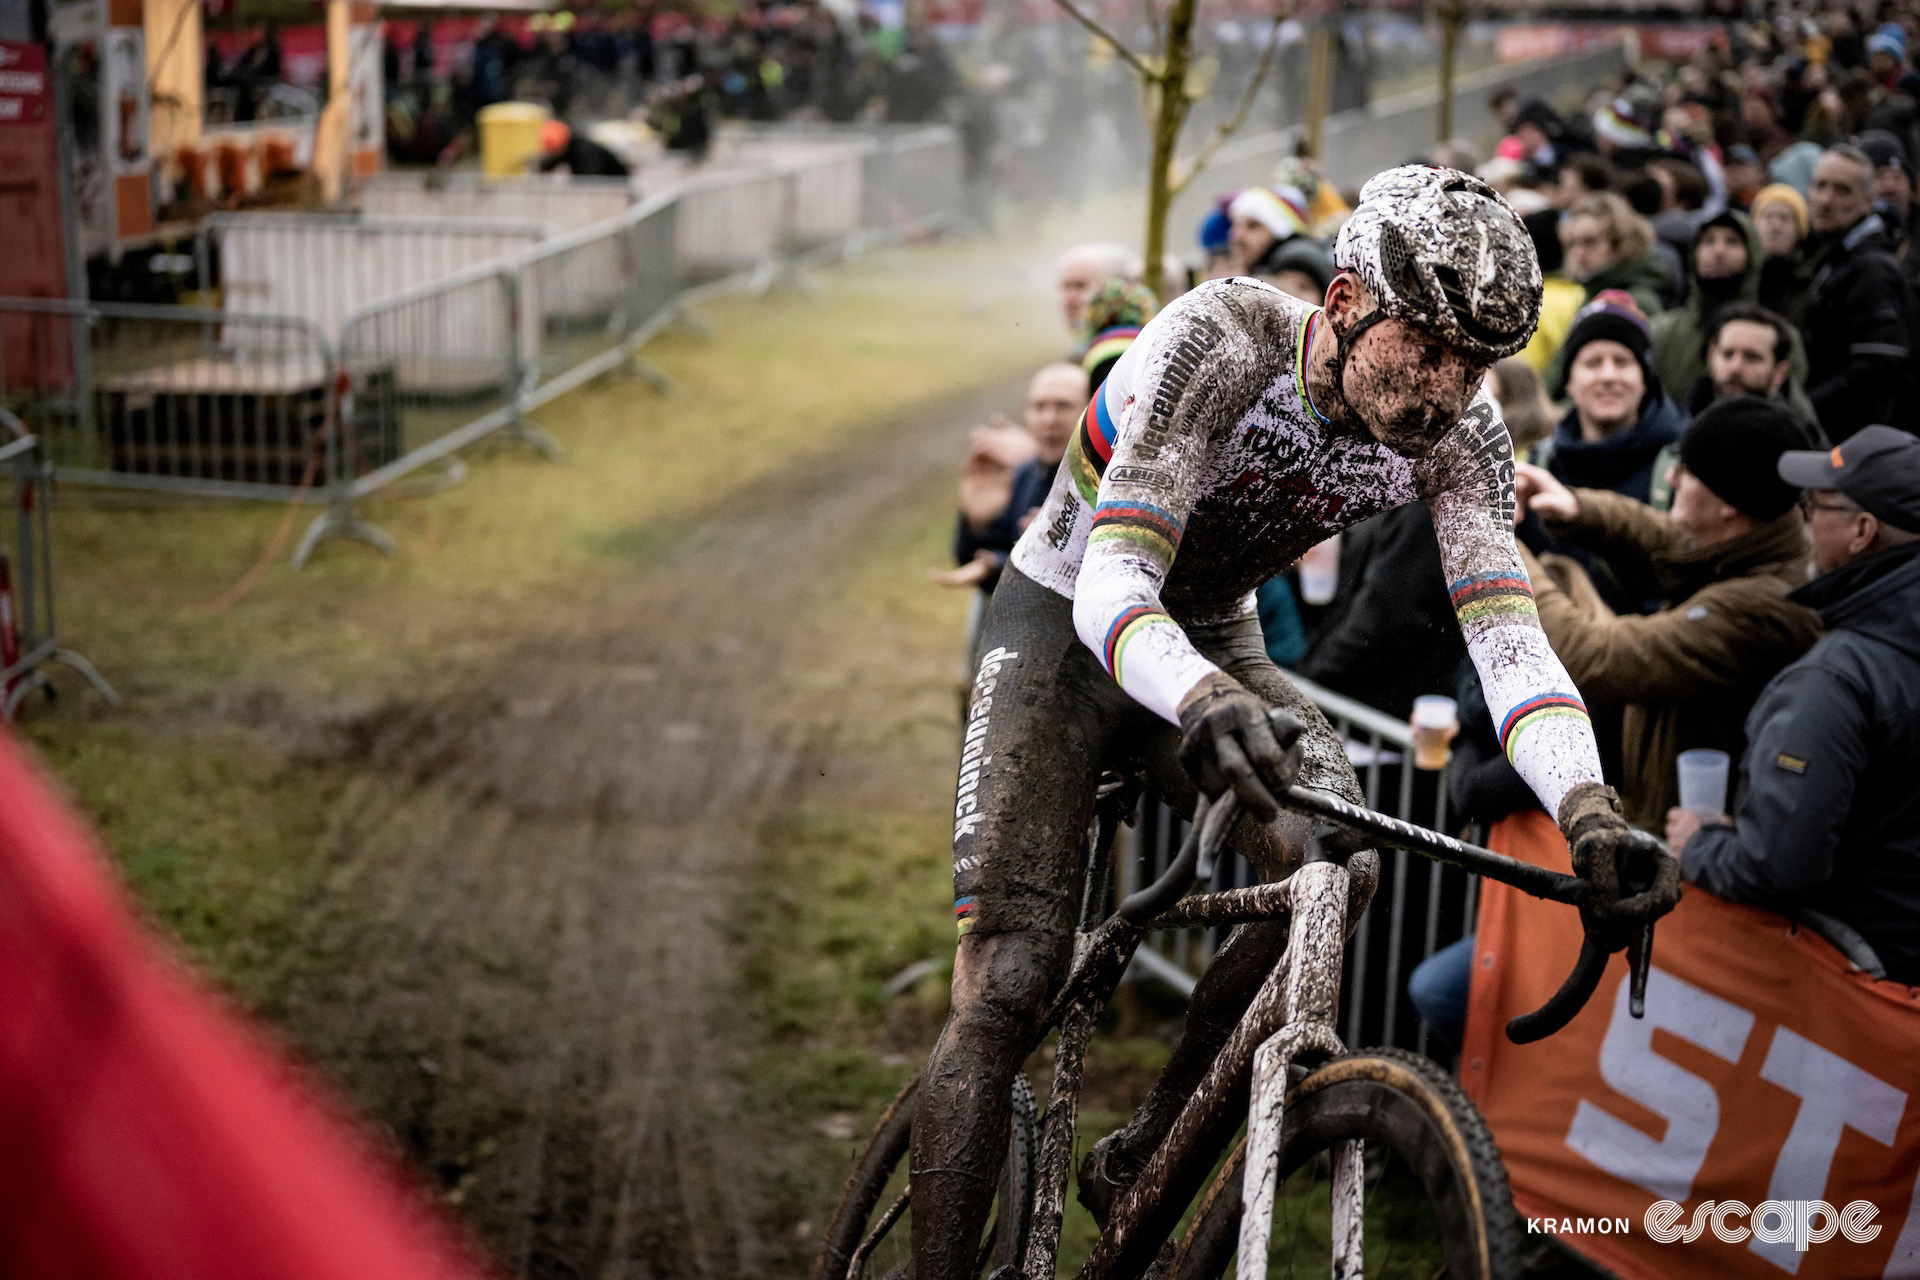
(1827, 819)
(1609, 439)
(1724, 560)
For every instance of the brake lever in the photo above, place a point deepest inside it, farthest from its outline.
(1639, 961)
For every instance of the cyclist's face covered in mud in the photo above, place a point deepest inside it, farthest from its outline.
(1406, 387)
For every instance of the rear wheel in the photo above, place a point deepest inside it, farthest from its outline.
(871, 1232)
(1436, 1192)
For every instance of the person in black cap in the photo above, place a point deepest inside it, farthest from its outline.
(1724, 559)
(1827, 817)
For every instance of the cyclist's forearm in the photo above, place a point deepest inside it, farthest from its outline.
(1537, 710)
(1117, 613)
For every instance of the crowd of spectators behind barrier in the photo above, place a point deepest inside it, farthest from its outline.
(1719, 498)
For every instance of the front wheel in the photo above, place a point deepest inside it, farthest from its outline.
(871, 1232)
(1436, 1197)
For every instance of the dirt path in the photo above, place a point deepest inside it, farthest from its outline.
(523, 962)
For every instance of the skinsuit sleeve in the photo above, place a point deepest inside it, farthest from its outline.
(1136, 459)
(1537, 712)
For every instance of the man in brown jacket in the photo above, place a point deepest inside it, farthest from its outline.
(1725, 558)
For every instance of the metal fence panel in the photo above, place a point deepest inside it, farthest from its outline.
(26, 573)
(729, 224)
(594, 295)
(323, 267)
(443, 364)
(827, 201)
(176, 398)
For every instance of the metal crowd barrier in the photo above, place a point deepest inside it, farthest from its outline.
(350, 350)
(458, 359)
(29, 639)
(178, 399)
(1419, 907)
(323, 266)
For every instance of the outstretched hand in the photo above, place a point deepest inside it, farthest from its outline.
(1535, 489)
(971, 574)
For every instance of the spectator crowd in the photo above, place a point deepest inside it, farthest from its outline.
(1719, 484)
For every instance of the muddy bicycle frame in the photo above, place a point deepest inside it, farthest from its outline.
(1291, 1020)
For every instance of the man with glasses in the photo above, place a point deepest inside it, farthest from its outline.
(1827, 818)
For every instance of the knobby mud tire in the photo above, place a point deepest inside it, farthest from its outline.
(888, 1146)
(1410, 1105)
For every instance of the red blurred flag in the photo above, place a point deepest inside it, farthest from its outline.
(146, 1132)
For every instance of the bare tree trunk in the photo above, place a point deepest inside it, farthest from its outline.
(1453, 16)
(1169, 116)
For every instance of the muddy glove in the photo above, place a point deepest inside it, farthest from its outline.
(1632, 878)
(1229, 742)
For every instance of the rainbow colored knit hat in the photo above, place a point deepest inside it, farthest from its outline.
(1115, 314)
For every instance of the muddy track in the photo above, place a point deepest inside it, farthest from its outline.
(524, 963)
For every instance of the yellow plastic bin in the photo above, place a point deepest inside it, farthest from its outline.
(510, 137)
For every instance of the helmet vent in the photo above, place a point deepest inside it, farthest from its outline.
(1455, 293)
(1397, 263)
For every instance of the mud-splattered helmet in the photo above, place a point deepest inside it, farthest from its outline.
(1441, 250)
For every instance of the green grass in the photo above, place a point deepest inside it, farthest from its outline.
(209, 831)
(203, 787)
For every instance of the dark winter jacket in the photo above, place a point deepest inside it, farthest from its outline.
(1687, 675)
(1390, 634)
(1644, 279)
(1680, 335)
(1828, 814)
(1862, 325)
(1621, 463)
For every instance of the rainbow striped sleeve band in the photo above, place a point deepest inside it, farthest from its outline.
(1124, 628)
(963, 914)
(1139, 526)
(1492, 598)
(1092, 447)
(1537, 710)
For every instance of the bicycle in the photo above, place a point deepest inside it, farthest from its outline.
(1372, 1124)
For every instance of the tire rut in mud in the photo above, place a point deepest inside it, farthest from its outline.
(524, 963)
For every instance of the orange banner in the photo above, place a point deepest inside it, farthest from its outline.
(1765, 1072)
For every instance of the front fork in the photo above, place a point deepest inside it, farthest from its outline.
(1315, 947)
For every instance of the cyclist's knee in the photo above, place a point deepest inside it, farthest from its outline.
(1002, 982)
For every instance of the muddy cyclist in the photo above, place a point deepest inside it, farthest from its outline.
(1242, 428)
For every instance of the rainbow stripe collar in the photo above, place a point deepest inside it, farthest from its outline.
(1302, 347)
